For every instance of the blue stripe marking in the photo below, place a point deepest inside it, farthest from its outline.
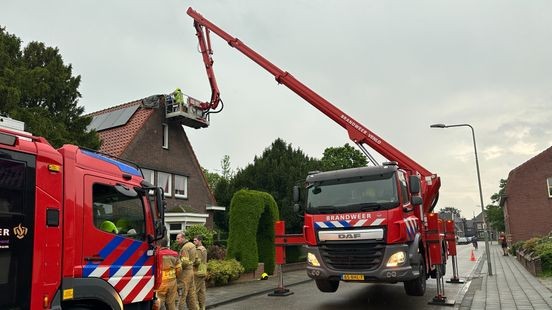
(90, 266)
(141, 262)
(122, 166)
(345, 223)
(117, 264)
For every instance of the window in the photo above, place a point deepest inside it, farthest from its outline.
(176, 226)
(180, 186)
(404, 188)
(164, 181)
(165, 136)
(149, 175)
(116, 213)
(549, 183)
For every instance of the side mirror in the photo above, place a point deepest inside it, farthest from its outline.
(296, 195)
(160, 229)
(416, 200)
(414, 184)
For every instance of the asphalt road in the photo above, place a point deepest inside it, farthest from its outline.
(363, 295)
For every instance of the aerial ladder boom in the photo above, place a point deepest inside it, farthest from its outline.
(358, 133)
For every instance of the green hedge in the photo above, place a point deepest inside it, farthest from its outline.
(221, 272)
(251, 229)
(537, 247)
(203, 231)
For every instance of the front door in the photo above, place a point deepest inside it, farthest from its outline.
(17, 208)
(114, 232)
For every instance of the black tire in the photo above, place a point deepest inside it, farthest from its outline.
(327, 286)
(417, 287)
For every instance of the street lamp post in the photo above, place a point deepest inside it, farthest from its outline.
(486, 228)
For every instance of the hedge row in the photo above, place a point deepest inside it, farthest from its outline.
(251, 229)
(537, 247)
(221, 272)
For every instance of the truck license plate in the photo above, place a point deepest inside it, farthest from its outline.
(352, 277)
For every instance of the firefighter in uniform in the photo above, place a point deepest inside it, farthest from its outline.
(186, 285)
(200, 271)
(172, 269)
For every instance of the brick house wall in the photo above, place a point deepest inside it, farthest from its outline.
(179, 158)
(527, 206)
(140, 140)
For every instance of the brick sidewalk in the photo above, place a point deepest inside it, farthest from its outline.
(510, 287)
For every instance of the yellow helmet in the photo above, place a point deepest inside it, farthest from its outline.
(108, 226)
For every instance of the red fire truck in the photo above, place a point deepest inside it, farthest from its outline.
(77, 228)
(369, 224)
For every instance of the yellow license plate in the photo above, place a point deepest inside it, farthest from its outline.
(352, 277)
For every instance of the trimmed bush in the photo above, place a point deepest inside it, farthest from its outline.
(251, 229)
(221, 272)
(544, 251)
(203, 231)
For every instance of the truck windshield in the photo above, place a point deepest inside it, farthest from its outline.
(352, 195)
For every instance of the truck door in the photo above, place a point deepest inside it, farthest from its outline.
(17, 208)
(115, 246)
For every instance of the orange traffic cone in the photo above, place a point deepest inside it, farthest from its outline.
(472, 257)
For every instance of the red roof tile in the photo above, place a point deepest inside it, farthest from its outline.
(115, 140)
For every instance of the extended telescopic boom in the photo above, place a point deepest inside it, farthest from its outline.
(357, 132)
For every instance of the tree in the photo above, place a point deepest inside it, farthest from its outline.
(38, 89)
(227, 172)
(342, 158)
(494, 212)
(220, 186)
(212, 179)
(495, 198)
(276, 171)
(495, 217)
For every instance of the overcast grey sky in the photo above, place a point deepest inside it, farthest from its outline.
(394, 66)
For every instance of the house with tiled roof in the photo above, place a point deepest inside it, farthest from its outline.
(151, 133)
(527, 198)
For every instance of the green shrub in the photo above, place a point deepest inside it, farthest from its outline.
(251, 229)
(544, 251)
(516, 247)
(216, 252)
(530, 245)
(221, 272)
(203, 231)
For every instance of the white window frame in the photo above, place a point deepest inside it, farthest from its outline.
(151, 179)
(549, 183)
(165, 136)
(168, 188)
(185, 189)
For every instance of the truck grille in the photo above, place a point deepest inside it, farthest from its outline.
(365, 256)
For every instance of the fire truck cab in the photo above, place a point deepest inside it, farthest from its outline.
(77, 228)
(361, 226)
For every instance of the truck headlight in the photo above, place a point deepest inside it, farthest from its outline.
(312, 260)
(396, 259)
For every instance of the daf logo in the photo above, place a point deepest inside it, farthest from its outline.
(348, 236)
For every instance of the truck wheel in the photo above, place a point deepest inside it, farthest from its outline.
(327, 286)
(417, 287)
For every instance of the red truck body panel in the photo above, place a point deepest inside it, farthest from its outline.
(51, 250)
